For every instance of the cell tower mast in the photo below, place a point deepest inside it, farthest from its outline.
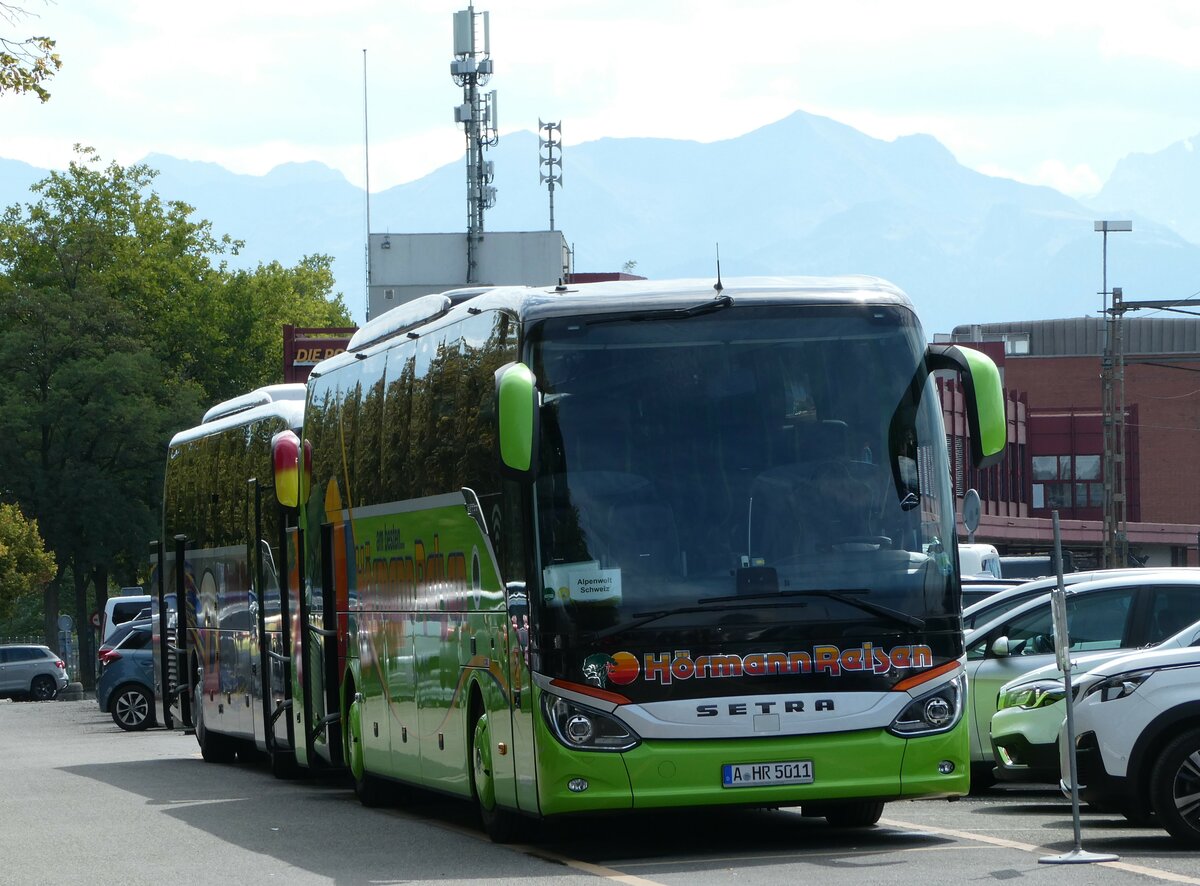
(471, 69)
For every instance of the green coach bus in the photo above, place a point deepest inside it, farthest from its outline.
(635, 545)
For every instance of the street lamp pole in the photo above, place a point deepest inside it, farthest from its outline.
(1114, 421)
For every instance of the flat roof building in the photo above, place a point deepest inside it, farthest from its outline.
(1052, 373)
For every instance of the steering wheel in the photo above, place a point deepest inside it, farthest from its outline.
(879, 541)
(1042, 644)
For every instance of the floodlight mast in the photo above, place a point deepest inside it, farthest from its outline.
(472, 68)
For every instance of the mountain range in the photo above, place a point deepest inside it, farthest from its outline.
(803, 195)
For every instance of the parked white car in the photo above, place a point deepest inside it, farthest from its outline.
(1113, 613)
(1005, 600)
(1137, 738)
(1030, 711)
(31, 672)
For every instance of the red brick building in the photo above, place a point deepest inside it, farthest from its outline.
(1052, 378)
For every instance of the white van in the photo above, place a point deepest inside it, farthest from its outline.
(976, 560)
(118, 610)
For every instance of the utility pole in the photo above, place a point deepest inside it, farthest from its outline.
(1116, 544)
(1116, 500)
(1112, 375)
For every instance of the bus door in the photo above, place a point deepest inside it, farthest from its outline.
(321, 654)
(520, 696)
(271, 688)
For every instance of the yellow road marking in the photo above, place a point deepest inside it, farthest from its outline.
(1040, 850)
(595, 870)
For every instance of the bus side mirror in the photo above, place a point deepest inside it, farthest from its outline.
(983, 399)
(517, 418)
(293, 473)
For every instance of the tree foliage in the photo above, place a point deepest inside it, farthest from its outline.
(25, 65)
(119, 323)
(25, 564)
(252, 308)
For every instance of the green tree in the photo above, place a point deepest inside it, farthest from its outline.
(25, 564)
(25, 64)
(119, 323)
(244, 343)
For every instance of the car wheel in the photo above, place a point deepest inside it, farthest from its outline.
(132, 708)
(1175, 787)
(983, 776)
(43, 688)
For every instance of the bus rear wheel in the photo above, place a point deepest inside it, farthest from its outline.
(502, 826)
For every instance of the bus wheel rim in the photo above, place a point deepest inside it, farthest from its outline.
(485, 787)
(356, 749)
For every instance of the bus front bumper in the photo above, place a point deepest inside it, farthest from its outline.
(867, 764)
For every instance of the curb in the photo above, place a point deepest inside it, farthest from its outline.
(73, 692)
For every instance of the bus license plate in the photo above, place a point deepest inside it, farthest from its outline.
(747, 775)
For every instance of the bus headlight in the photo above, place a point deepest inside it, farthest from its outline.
(938, 710)
(581, 728)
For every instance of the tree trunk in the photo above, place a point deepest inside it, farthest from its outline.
(50, 599)
(87, 651)
(100, 581)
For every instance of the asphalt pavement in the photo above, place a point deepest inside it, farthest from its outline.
(82, 802)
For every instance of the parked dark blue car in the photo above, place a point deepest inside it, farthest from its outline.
(126, 685)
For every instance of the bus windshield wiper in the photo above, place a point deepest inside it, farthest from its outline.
(642, 618)
(739, 602)
(887, 612)
(705, 307)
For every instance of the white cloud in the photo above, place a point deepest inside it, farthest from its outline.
(253, 84)
(1079, 180)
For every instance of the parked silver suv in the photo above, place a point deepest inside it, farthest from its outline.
(31, 672)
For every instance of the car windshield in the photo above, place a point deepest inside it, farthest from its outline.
(768, 470)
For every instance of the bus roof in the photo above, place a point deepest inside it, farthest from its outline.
(536, 303)
(283, 401)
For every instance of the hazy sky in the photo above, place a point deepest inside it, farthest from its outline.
(1051, 92)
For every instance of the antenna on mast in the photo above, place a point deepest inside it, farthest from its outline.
(471, 69)
(717, 286)
(552, 158)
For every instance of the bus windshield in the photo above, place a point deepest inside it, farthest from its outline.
(768, 473)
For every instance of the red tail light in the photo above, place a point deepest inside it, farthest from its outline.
(108, 656)
(61, 664)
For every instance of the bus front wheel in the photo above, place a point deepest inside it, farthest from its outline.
(853, 814)
(214, 747)
(502, 826)
(370, 790)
